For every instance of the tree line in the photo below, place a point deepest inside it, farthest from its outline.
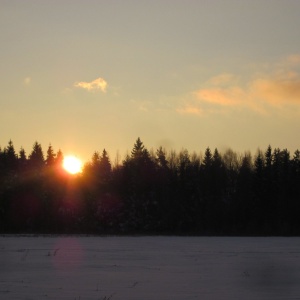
(151, 192)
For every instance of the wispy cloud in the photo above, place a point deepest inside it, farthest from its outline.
(97, 84)
(278, 91)
(279, 87)
(229, 96)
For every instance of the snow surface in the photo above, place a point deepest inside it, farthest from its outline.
(144, 268)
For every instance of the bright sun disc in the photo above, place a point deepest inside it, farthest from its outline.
(72, 164)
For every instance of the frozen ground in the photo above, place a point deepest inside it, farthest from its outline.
(144, 268)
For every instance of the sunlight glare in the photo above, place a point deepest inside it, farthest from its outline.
(72, 164)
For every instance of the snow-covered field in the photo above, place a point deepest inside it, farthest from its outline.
(144, 268)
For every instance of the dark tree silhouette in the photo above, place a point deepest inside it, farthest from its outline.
(11, 159)
(50, 160)
(36, 157)
(242, 212)
(152, 192)
(105, 167)
(22, 160)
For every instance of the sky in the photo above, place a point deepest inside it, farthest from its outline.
(85, 75)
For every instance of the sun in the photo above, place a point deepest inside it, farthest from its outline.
(72, 164)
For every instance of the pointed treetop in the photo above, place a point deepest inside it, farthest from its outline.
(207, 157)
(105, 165)
(22, 154)
(104, 154)
(36, 157)
(269, 156)
(95, 158)
(138, 148)
(10, 149)
(50, 160)
(259, 162)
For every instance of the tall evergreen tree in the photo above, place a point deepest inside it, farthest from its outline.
(259, 191)
(269, 158)
(139, 173)
(259, 164)
(22, 160)
(217, 159)
(207, 162)
(50, 160)
(11, 158)
(138, 149)
(270, 193)
(95, 159)
(242, 210)
(36, 157)
(105, 165)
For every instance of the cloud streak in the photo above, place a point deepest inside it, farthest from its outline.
(230, 96)
(95, 85)
(277, 89)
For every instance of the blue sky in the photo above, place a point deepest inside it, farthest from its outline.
(88, 75)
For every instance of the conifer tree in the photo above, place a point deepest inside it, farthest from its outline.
(59, 158)
(138, 149)
(217, 159)
(242, 208)
(105, 165)
(207, 162)
(269, 157)
(95, 159)
(22, 160)
(10, 157)
(36, 157)
(259, 190)
(259, 164)
(50, 160)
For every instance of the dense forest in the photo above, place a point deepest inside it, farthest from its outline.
(151, 192)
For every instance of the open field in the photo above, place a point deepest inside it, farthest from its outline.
(144, 268)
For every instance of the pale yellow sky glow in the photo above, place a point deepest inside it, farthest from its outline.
(27, 81)
(177, 74)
